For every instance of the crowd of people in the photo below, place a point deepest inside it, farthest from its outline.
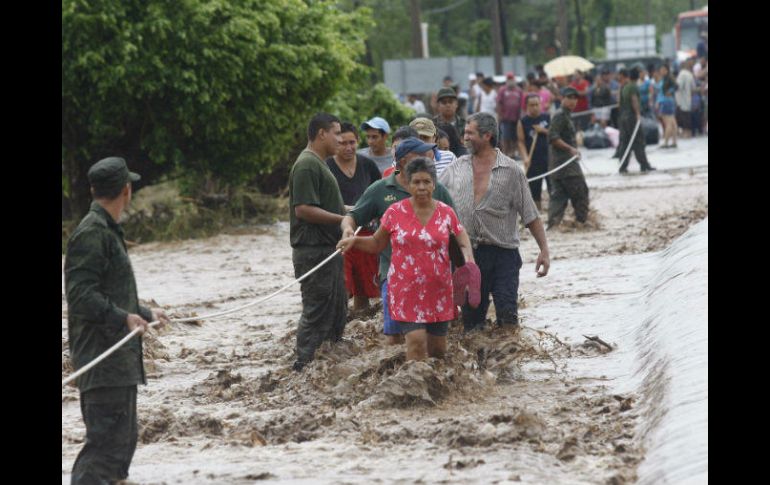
(675, 96)
(407, 216)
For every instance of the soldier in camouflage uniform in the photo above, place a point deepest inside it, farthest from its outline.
(103, 307)
(568, 184)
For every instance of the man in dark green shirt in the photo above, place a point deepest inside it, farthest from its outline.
(567, 184)
(315, 214)
(103, 307)
(376, 200)
(630, 115)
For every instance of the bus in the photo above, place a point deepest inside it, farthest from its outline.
(688, 29)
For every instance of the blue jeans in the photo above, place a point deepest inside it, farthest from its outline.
(500, 276)
(390, 326)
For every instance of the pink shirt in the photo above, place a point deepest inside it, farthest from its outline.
(545, 99)
(420, 277)
(509, 102)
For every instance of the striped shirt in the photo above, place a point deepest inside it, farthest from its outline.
(445, 158)
(493, 220)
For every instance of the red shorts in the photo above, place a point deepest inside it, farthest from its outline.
(361, 271)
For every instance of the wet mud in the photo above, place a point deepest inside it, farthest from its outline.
(501, 406)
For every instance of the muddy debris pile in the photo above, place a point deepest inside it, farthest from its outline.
(226, 385)
(363, 371)
(672, 225)
(297, 425)
(66, 363)
(163, 424)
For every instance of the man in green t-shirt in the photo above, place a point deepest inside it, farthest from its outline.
(630, 114)
(376, 200)
(315, 214)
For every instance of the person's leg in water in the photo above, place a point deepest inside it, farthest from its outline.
(324, 301)
(475, 318)
(437, 339)
(109, 414)
(577, 191)
(360, 273)
(417, 344)
(436, 346)
(391, 328)
(506, 287)
(557, 204)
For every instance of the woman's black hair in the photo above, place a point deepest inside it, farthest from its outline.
(421, 164)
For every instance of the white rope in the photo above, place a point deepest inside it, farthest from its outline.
(125, 339)
(631, 143)
(554, 170)
(593, 110)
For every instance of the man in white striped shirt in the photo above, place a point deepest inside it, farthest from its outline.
(428, 133)
(490, 190)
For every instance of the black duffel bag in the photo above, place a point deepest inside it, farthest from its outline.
(650, 129)
(595, 137)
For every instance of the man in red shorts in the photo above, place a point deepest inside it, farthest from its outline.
(354, 173)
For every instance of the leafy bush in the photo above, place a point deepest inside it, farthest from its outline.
(209, 86)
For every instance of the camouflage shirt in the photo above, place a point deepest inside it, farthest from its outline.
(563, 129)
(101, 292)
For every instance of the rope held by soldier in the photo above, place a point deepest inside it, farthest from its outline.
(125, 339)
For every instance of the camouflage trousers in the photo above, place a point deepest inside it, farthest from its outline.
(564, 190)
(324, 299)
(109, 414)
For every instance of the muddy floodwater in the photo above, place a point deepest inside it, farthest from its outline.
(605, 382)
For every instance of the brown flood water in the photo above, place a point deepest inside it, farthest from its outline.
(222, 405)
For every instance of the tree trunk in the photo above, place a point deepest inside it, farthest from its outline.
(497, 42)
(562, 38)
(581, 41)
(414, 10)
(504, 29)
(80, 190)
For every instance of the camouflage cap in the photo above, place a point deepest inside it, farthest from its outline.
(109, 173)
(424, 126)
(569, 91)
(446, 93)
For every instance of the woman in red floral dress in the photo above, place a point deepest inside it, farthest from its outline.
(420, 276)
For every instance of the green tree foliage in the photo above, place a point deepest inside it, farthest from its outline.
(222, 87)
(460, 28)
(367, 103)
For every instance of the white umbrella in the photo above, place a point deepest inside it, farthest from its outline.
(566, 66)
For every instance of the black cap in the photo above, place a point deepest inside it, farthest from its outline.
(569, 91)
(109, 173)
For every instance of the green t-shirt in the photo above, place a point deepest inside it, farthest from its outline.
(629, 91)
(376, 200)
(312, 183)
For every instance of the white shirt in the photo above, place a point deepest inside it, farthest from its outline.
(683, 95)
(489, 103)
(445, 158)
(418, 106)
(493, 219)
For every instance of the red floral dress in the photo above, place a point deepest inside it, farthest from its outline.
(420, 277)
